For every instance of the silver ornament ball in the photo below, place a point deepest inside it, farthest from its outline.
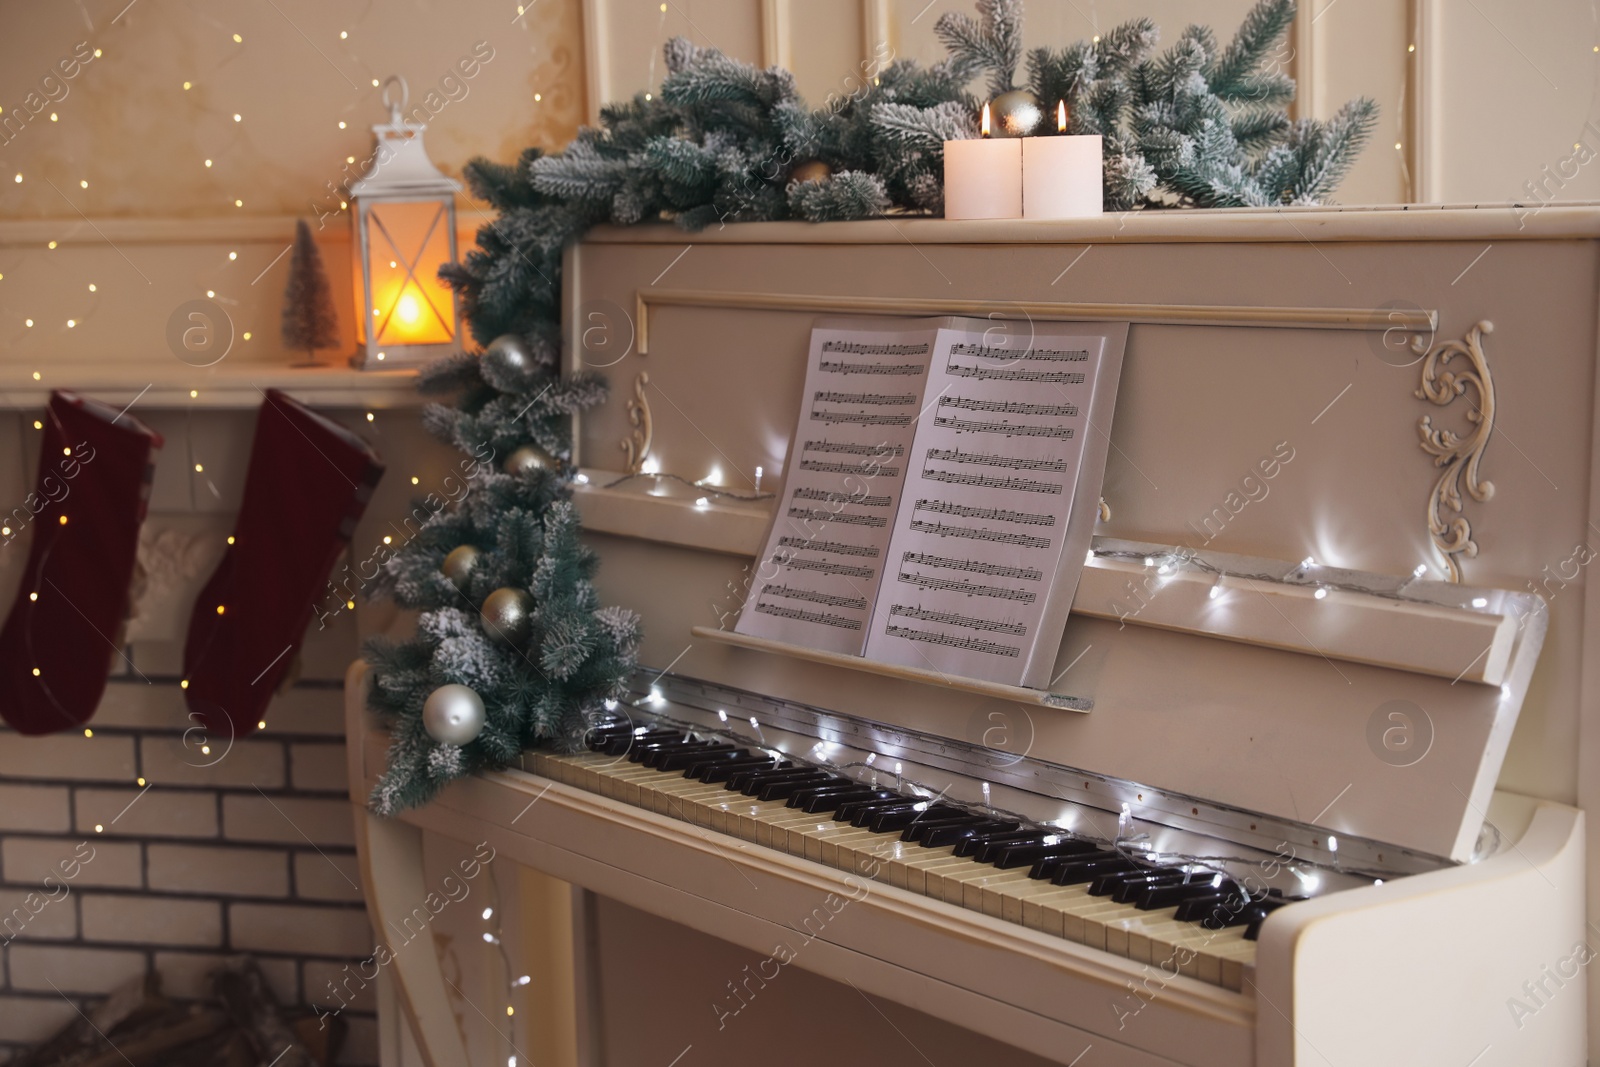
(526, 459)
(508, 615)
(453, 715)
(457, 566)
(511, 352)
(1015, 114)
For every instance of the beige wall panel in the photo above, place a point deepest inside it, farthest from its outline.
(127, 126)
(1058, 25)
(1358, 48)
(1516, 89)
(826, 47)
(625, 38)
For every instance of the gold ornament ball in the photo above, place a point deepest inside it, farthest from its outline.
(526, 459)
(510, 352)
(1014, 114)
(453, 715)
(812, 170)
(507, 615)
(457, 566)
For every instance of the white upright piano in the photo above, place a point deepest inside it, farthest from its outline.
(1306, 786)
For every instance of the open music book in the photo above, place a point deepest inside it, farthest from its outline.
(941, 493)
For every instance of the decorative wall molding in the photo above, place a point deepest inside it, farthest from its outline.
(1459, 456)
(216, 230)
(1380, 319)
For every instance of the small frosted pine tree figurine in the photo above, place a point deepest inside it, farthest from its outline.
(309, 322)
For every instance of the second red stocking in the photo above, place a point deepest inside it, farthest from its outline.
(308, 483)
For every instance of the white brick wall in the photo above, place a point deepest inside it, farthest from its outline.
(249, 817)
(234, 872)
(73, 756)
(179, 761)
(319, 767)
(187, 975)
(151, 920)
(40, 808)
(303, 929)
(326, 876)
(148, 812)
(99, 862)
(71, 968)
(37, 914)
(192, 866)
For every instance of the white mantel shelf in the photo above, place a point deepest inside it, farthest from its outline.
(164, 382)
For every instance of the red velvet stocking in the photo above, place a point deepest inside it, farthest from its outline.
(90, 500)
(308, 483)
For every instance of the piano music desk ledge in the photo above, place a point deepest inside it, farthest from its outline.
(998, 690)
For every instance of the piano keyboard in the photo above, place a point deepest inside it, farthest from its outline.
(1186, 920)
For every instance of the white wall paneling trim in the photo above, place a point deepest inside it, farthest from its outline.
(159, 381)
(1423, 76)
(1375, 319)
(28, 233)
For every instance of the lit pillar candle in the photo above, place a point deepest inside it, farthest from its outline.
(1062, 177)
(983, 177)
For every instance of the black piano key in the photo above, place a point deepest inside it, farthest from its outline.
(736, 755)
(651, 755)
(990, 852)
(835, 787)
(866, 816)
(715, 772)
(786, 788)
(1129, 891)
(971, 845)
(1075, 873)
(678, 759)
(1266, 907)
(1199, 909)
(847, 811)
(759, 780)
(1107, 885)
(619, 746)
(1156, 897)
(897, 820)
(976, 823)
(824, 802)
(945, 836)
(739, 779)
(642, 747)
(1048, 865)
(862, 812)
(1026, 855)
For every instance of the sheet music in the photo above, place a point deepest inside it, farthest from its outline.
(979, 535)
(817, 577)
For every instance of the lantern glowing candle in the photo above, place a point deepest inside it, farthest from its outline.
(404, 215)
(983, 176)
(1063, 177)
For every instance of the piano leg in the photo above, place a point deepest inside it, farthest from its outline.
(391, 872)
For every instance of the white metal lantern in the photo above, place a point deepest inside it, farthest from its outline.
(405, 230)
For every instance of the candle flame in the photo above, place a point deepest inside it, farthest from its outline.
(983, 124)
(1061, 116)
